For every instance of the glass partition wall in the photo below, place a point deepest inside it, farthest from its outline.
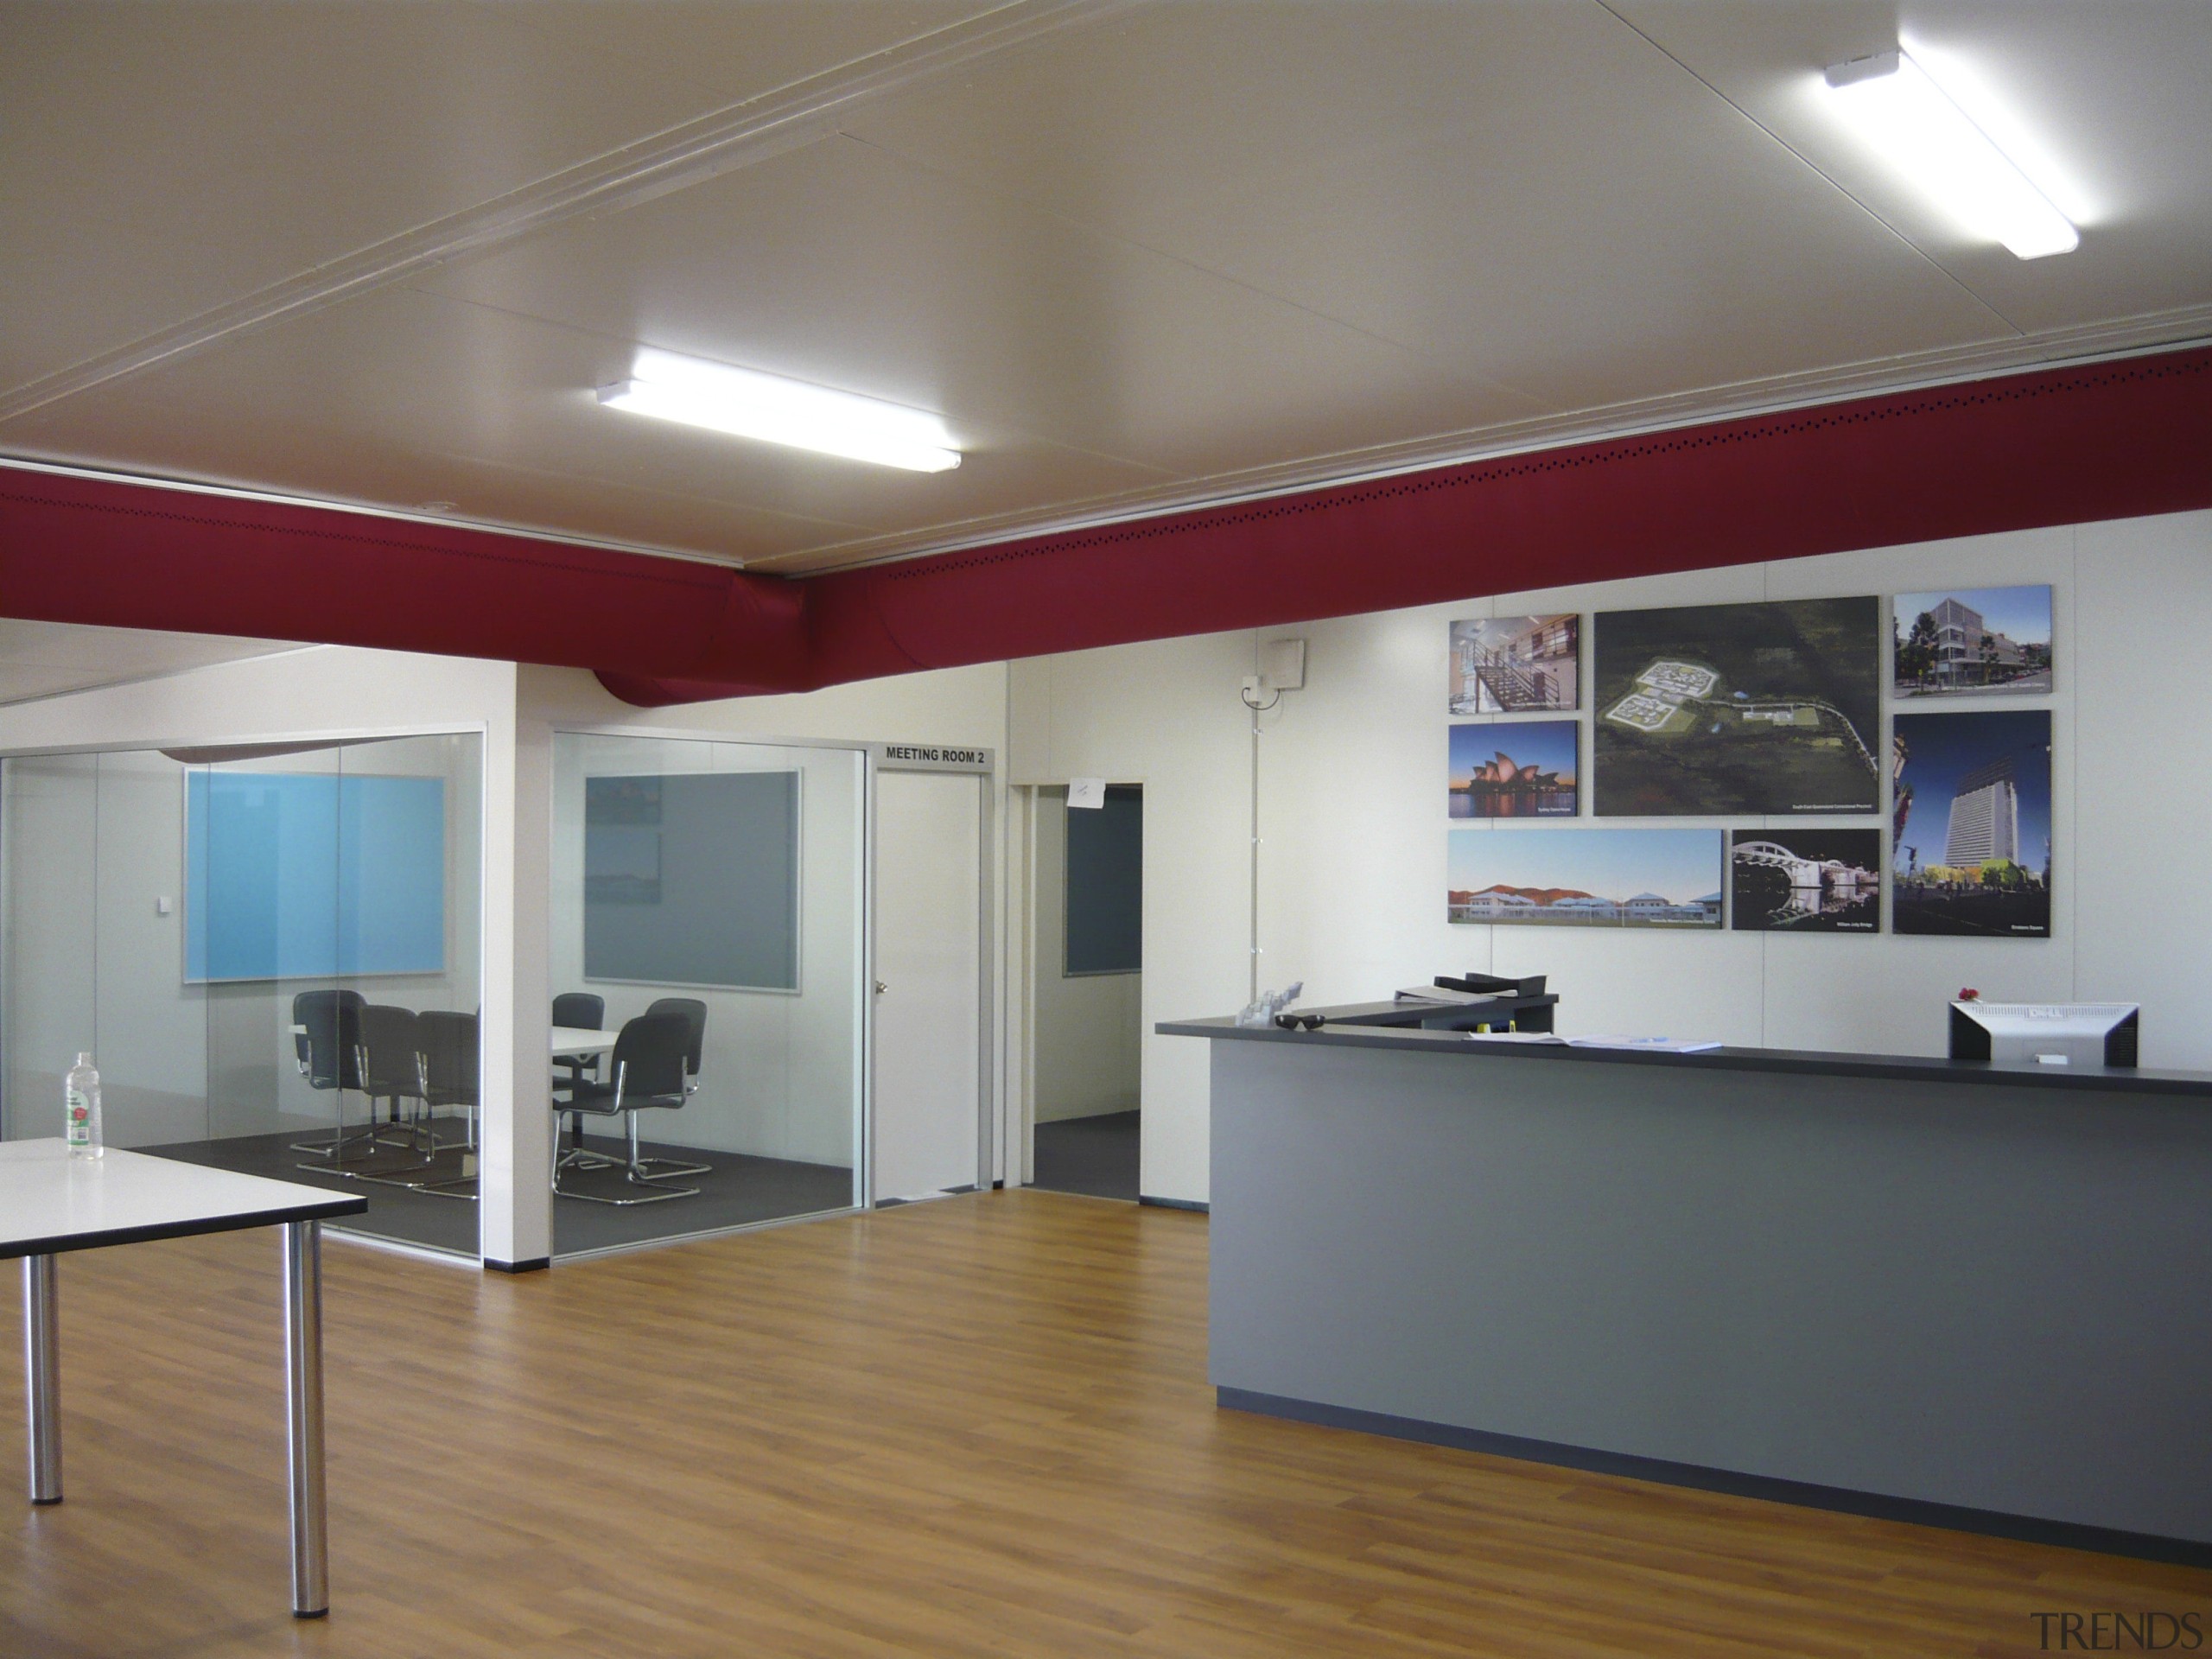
(272, 954)
(708, 963)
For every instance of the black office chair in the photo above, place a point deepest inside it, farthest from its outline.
(327, 1045)
(579, 1011)
(449, 1043)
(390, 1059)
(648, 1075)
(694, 1048)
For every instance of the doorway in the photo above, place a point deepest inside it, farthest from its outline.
(929, 1118)
(1087, 992)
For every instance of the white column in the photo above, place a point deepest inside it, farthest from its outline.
(517, 1204)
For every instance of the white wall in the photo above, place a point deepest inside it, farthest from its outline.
(1352, 822)
(1165, 714)
(1088, 1028)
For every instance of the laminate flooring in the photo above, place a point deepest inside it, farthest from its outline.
(979, 1426)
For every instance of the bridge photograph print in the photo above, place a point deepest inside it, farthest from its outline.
(1806, 882)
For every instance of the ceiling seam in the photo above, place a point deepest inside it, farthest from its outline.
(740, 135)
(1084, 227)
(1814, 167)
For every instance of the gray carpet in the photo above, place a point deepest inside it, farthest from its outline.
(1097, 1156)
(738, 1191)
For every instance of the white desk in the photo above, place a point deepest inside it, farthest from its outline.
(50, 1202)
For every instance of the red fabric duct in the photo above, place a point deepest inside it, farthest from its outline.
(2104, 440)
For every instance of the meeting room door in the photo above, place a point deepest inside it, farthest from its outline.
(932, 1120)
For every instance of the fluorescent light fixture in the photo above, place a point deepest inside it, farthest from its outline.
(1897, 108)
(749, 405)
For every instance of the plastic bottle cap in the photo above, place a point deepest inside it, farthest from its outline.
(83, 1057)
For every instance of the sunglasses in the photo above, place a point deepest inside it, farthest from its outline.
(1301, 1021)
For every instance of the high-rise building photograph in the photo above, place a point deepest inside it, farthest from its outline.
(1973, 823)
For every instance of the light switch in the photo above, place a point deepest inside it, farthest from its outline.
(164, 905)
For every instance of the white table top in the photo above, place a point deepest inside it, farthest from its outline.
(51, 1202)
(567, 1040)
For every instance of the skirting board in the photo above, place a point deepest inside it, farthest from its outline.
(1198, 1204)
(534, 1264)
(2105, 1541)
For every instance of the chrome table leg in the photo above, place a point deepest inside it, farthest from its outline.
(303, 1416)
(42, 1378)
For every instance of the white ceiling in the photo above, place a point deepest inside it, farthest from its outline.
(1137, 255)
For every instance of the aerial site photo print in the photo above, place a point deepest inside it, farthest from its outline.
(1770, 708)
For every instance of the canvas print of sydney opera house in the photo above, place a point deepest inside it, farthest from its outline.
(1585, 878)
(1525, 770)
(1516, 664)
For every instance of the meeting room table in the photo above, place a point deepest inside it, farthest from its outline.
(51, 1203)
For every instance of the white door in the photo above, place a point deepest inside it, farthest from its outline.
(929, 998)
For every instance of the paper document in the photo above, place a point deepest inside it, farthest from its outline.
(1512, 1037)
(1654, 1045)
(1444, 994)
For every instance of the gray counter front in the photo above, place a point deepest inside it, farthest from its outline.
(1960, 1293)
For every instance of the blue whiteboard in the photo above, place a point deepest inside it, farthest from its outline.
(300, 875)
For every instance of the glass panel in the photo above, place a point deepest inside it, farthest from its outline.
(49, 812)
(209, 925)
(719, 883)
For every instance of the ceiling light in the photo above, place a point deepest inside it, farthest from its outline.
(749, 405)
(1896, 107)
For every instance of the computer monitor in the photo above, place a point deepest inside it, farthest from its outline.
(2051, 1033)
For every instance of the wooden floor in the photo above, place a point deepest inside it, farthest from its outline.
(974, 1427)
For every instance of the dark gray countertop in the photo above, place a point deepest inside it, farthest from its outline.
(1797, 1062)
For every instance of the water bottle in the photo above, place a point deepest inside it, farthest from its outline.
(81, 1091)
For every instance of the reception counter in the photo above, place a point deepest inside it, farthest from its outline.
(1969, 1294)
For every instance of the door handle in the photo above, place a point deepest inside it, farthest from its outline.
(880, 988)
